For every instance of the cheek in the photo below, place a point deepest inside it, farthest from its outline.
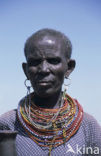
(61, 77)
(59, 73)
(31, 72)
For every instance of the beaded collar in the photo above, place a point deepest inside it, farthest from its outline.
(50, 128)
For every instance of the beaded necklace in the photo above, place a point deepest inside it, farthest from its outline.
(50, 128)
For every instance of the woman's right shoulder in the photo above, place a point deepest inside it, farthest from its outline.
(7, 120)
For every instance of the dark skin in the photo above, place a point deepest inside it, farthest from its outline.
(46, 68)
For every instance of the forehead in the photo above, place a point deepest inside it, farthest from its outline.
(48, 46)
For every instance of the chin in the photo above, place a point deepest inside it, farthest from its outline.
(47, 92)
(44, 94)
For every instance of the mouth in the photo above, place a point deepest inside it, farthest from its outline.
(44, 83)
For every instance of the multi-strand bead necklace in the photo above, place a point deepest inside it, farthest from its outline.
(50, 128)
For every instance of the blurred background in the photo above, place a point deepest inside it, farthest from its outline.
(80, 20)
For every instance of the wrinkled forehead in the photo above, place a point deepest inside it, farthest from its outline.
(46, 44)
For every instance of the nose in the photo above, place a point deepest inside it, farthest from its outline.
(44, 67)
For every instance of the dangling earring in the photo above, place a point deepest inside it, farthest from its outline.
(27, 86)
(66, 85)
(27, 98)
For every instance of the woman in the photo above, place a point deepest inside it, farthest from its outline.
(49, 121)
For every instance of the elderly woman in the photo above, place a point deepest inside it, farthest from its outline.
(48, 120)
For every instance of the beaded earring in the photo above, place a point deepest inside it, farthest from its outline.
(66, 85)
(27, 98)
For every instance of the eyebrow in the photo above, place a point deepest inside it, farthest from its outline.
(33, 58)
(39, 57)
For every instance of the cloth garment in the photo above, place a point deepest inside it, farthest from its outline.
(86, 141)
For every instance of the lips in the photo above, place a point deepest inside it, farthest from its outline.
(44, 83)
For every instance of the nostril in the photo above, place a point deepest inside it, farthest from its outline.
(44, 71)
(44, 67)
(42, 75)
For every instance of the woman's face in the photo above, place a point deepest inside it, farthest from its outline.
(46, 66)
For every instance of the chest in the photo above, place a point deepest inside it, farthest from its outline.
(75, 145)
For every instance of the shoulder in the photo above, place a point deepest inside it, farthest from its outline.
(7, 120)
(92, 130)
(90, 122)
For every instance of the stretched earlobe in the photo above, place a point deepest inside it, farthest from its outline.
(24, 67)
(71, 66)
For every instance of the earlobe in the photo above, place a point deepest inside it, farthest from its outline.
(24, 67)
(71, 66)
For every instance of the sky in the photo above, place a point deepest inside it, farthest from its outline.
(80, 20)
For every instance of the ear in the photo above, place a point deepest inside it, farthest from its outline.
(24, 67)
(71, 66)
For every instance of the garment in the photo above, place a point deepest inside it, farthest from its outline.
(87, 136)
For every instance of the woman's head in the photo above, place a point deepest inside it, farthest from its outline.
(48, 54)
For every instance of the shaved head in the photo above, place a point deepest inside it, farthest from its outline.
(45, 34)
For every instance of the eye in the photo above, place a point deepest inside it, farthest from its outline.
(54, 61)
(34, 62)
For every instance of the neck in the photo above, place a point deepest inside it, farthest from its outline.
(50, 102)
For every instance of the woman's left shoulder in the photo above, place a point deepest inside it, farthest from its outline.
(90, 121)
(92, 130)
